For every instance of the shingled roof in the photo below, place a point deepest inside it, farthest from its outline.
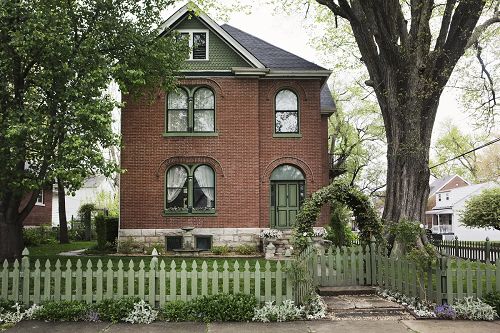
(271, 56)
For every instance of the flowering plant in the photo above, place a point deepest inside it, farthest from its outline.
(142, 313)
(319, 232)
(271, 233)
(445, 311)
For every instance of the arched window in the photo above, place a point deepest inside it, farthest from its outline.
(190, 110)
(190, 189)
(287, 172)
(177, 111)
(204, 110)
(286, 112)
(204, 188)
(177, 187)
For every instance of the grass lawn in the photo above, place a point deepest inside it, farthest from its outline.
(51, 252)
(54, 249)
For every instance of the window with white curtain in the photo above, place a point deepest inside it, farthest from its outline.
(191, 110)
(286, 112)
(190, 189)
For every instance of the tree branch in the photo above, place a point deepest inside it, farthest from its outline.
(445, 24)
(478, 31)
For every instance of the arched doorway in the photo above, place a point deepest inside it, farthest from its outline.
(287, 194)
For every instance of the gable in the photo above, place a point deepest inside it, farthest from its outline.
(220, 55)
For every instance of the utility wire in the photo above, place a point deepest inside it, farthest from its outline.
(468, 152)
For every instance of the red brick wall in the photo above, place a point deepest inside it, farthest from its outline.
(243, 154)
(40, 214)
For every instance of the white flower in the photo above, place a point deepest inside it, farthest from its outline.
(304, 234)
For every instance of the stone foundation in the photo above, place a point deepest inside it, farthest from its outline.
(220, 236)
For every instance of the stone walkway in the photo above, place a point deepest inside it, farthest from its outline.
(320, 326)
(364, 307)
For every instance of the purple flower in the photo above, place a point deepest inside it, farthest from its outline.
(445, 311)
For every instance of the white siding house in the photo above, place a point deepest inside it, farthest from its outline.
(445, 215)
(87, 194)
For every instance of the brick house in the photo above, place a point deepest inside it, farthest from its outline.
(234, 150)
(41, 214)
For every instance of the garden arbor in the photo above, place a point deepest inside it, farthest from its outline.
(366, 217)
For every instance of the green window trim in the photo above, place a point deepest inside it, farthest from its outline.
(287, 135)
(190, 210)
(290, 134)
(191, 110)
(195, 134)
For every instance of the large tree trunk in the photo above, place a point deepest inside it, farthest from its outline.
(11, 231)
(63, 223)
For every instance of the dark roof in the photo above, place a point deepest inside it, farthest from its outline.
(326, 100)
(269, 55)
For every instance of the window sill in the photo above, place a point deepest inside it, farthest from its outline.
(187, 214)
(287, 135)
(39, 204)
(190, 134)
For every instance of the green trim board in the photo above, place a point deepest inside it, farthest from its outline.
(195, 134)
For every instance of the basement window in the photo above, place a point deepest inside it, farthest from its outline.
(173, 242)
(203, 242)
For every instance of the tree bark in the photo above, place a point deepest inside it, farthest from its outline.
(63, 223)
(11, 231)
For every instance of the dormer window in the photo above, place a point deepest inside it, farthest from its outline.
(198, 43)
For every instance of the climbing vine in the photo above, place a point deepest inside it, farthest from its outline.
(366, 217)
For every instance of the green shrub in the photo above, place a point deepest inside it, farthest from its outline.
(62, 311)
(339, 232)
(221, 307)
(493, 299)
(111, 229)
(36, 236)
(245, 249)
(129, 246)
(115, 310)
(220, 250)
(6, 305)
(178, 311)
(100, 228)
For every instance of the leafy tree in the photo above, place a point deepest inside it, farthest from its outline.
(357, 143)
(56, 60)
(409, 50)
(483, 210)
(452, 143)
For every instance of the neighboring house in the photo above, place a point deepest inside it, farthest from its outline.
(86, 194)
(235, 149)
(41, 214)
(442, 184)
(445, 215)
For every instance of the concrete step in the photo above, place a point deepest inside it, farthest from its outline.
(364, 307)
(346, 290)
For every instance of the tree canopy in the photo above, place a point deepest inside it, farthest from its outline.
(483, 210)
(56, 60)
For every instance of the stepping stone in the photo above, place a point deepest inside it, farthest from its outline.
(346, 290)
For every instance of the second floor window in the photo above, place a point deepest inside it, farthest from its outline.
(191, 110)
(286, 112)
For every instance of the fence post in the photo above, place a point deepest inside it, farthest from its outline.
(456, 247)
(373, 262)
(443, 266)
(487, 249)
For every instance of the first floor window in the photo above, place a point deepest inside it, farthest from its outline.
(190, 189)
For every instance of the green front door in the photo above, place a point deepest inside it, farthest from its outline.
(285, 203)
